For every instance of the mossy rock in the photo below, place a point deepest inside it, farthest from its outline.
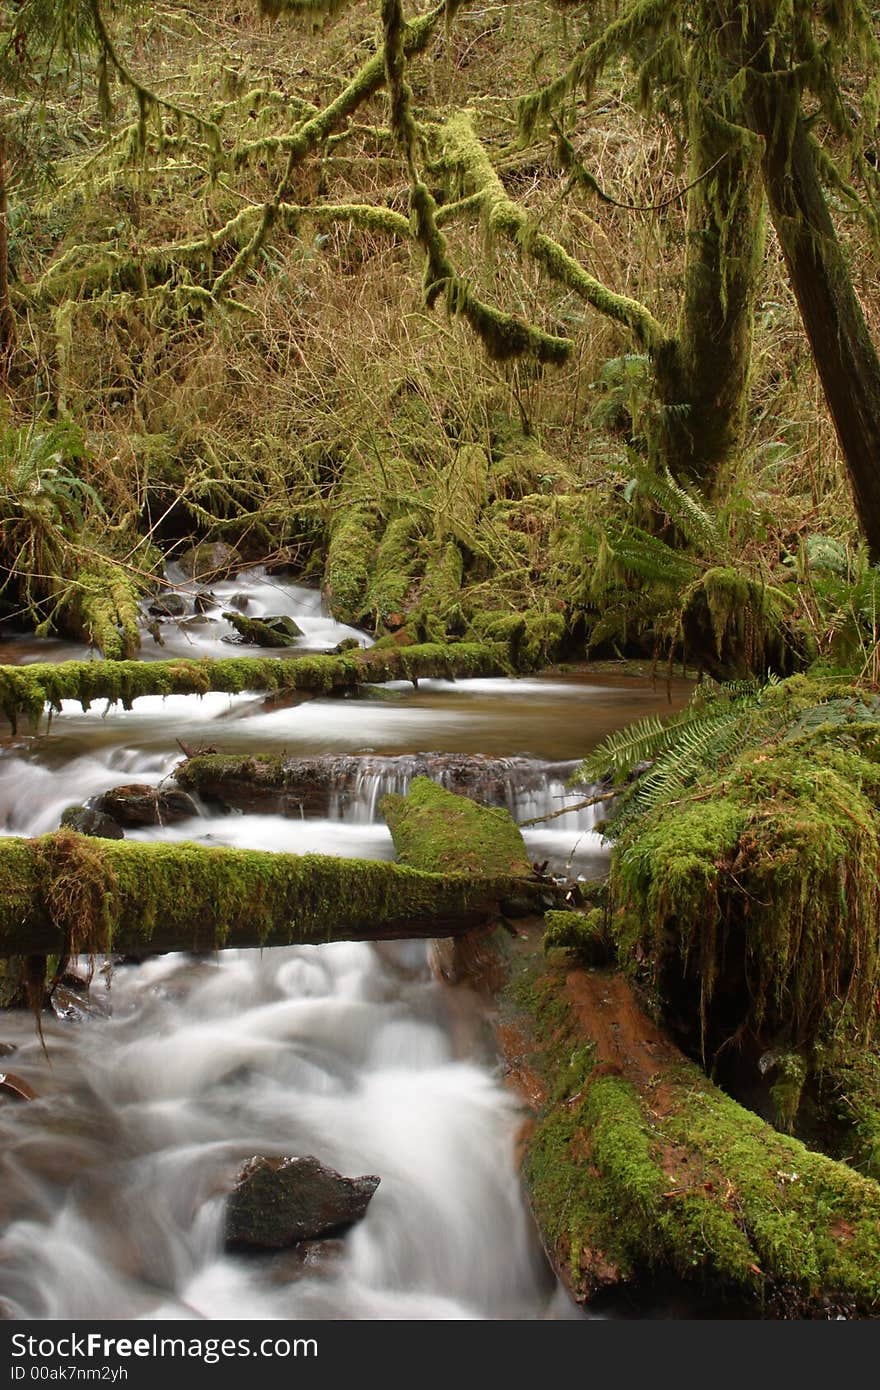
(434, 827)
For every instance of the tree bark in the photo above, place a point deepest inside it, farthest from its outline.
(704, 377)
(845, 356)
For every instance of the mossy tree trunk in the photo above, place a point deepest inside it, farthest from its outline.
(703, 378)
(7, 318)
(845, 356)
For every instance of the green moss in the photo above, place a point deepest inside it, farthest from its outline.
(27, 690)
(733, 625)
(435, 829)
(849, 1088)
(68, 892)
(105, 606)
(397, 566)
(350, 554)
(787, 1089)
(439, 608)
(628, 1177)
(761, 882)
(584, 934)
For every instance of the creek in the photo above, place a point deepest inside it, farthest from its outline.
(172, 1071)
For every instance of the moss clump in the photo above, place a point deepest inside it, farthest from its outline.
(787, 1089)
(435, 829)
(733, 625)
(849, 1089)
(395, 571)
(759, 886)
(105, 606)
(440, 608)
(585, 934)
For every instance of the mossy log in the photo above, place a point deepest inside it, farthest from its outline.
(277, 784)
(27, 690)
(638, 1165)
(66, 893)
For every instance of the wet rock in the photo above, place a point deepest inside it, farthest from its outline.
(348, 644)
(140, 804)
(71, 1006)
(264, 632)
(277, 1202)
(202, 602)
(240, 602)
(214, 558)
(88, 821)
(7, 1048)
(168, 606)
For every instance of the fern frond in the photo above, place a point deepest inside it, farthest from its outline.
(688, 513)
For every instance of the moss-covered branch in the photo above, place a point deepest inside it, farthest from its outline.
(66, 893)
(501, 214)
(639, 20)
(26, 690)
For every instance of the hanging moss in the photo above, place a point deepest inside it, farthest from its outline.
(501, 214)
(849, 1092)
(104, 606)
(733, 625)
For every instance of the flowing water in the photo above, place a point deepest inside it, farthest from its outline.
(178, 1069)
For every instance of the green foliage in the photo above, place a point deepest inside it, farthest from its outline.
(750, 855)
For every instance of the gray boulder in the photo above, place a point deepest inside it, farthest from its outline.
(279, 1201)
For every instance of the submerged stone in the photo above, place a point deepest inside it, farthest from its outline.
(279, 1201)
(87, 820)
(140, 804)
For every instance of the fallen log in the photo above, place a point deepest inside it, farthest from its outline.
(65, 894)
(636, 1164)
(281, 784)
(25, 691)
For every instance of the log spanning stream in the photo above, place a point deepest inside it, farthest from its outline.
(175, 1070)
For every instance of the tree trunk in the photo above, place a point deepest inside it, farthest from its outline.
(7, 318)
(704, 381)
(845, 356)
